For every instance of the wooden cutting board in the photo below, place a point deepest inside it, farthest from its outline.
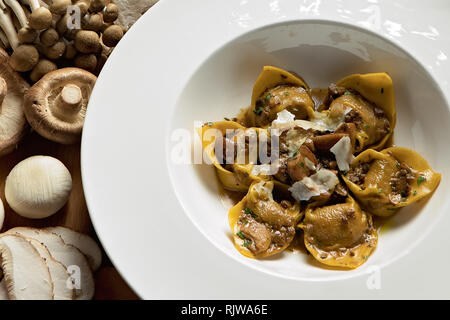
(74, 214)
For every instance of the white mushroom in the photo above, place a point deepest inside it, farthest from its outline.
(56, 105)
(38, 187)
(27, 276)
(58, 273)
(13, 124)
(83, 242)
(68, 255)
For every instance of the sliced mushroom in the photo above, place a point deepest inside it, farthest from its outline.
(12, 119)
(68, 255)
(56, 105)
(27, 276)
(3, 290)
(58, 273)
(83, 242)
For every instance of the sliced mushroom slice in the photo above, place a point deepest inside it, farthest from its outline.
(27, 276)
(12, 119)
(68, 255)
(58, 273)
(56, 105)
(83, 242)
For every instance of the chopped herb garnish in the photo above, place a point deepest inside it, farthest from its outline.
(250, 212)
(246, 243)
(301, 164)
(365, 257)
(210, 124)
(286, 93)
(258, 110)
(347, 93)
(268, 97)
(367, 126)
(398, 165)
(403, 194)
(380, 191)
(414, 192)
(420, 180)
(344, 172)
(403, 199)
(240, 235)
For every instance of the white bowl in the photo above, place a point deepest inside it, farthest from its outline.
(321, 52)
(163, 225)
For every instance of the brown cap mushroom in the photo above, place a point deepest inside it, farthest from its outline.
(56, 105)
(24, 58)
(112, 35)
(12, 119)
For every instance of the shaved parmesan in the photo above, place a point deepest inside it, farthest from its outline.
(319, 183)
(328, 122)
(264, 169)
(283, 117)
(342, 150)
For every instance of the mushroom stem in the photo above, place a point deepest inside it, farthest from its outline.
(7, 25)
(18, 11)
(68, 102)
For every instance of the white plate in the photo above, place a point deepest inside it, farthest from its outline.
(163, 224)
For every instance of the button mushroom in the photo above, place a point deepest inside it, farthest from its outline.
(56, 105)
(38, 187)
(12, 120)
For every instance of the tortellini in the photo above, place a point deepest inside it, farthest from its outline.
(235, 175)
(334, 167)
(262, 226)
(386, 181)
(340, 234)
(276, 90)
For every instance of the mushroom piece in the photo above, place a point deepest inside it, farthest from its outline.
(27, 276)
(81, 241)
(58, 273)
(12, 119)
(56, 105)
(38, 187)
(67, 254)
